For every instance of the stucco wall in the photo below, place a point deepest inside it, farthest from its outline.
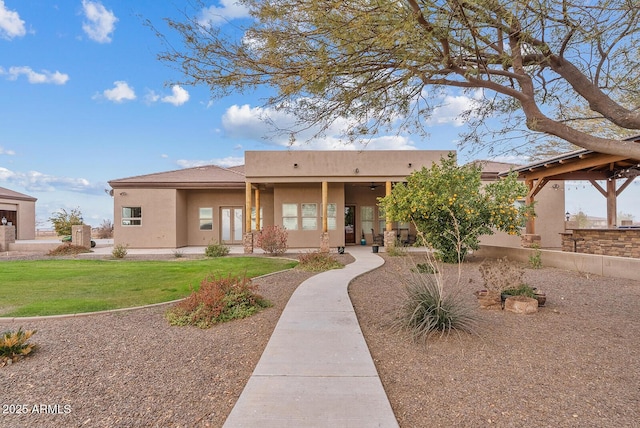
(336, 166)
(215, 199)
(310, 193)
(159, 223)
(26, 217)
(549, 207)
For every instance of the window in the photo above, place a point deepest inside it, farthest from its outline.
(253, 219)
(366, 219)
(206, 218)
(309, 216)
(131, 216)
(382, 220)
(290, 216)
(332, 222)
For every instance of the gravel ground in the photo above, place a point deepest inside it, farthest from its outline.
(573, 364)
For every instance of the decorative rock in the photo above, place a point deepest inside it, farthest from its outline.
(521, 305)
(489, 299)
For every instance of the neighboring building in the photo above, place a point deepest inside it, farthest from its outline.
(198, 206)
(20, 211)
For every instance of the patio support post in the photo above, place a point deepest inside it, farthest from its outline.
(531, 221)
(257, 209)
(247, 241)
(612, 204)
(324, 238)
(389, 236)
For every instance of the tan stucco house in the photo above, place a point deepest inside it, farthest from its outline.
(325, 199)
(19, 210)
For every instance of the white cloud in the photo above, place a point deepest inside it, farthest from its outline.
(451, 108)
(34, 181)
(223, 162)
(151, 97)
(252, 123)
(121, 92)
(100, 22)
(10, 23)
(227, 11)
(4, 151)
(44, 76)
(179, 96)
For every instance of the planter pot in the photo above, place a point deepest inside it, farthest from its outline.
(374, 248)
(541, 298)
(363, 242)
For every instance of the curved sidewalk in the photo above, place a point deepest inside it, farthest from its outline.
(316, 370)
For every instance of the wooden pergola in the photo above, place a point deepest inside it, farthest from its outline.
(583, 165)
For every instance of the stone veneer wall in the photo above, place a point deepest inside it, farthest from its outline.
(608, 242)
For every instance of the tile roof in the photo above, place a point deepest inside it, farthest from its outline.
(208, 176)
(10, 194)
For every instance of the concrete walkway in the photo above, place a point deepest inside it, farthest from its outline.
(316, 370)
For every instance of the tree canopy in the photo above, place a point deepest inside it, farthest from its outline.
(382, 63)
(451, 208)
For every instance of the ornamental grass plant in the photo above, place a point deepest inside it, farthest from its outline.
(433, 305)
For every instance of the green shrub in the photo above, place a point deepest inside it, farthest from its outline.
(119, 251)
(397, 250)
(428, 309)
(13, 345)
(217, 300)
(318, 262)
(521, 290)
(216, 250)
(452, 208)
(535, 259)
(273, 240)
(63, 221)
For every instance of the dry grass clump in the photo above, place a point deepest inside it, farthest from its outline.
(68, 249)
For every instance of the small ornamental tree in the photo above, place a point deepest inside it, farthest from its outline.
(63, 220)
(451, 208)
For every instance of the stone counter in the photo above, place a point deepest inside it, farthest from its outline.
(608, 242)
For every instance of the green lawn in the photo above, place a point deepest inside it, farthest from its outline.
(53, 287)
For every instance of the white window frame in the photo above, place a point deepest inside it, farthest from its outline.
(131, 220)
(289, 220)
(208, 219)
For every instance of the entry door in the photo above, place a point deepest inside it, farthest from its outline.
(231, 225)
(349, 224)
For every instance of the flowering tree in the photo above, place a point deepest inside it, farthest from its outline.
(451, 208)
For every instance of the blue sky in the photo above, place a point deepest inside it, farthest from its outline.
(84, 100)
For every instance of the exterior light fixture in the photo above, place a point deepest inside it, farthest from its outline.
(567, 215)
(4, 221)
(123, 193)
(555, 186)
(295, 165)
(410, 164)
(356, 171)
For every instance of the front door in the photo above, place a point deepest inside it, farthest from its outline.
(231, 225)
(349, 224)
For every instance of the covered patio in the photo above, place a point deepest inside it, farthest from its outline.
(617, 173)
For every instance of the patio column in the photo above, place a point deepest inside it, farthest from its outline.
(531, 221)
(324, 238)
(257, 209)
(612, 204)
(389, 236)
(247, 238)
